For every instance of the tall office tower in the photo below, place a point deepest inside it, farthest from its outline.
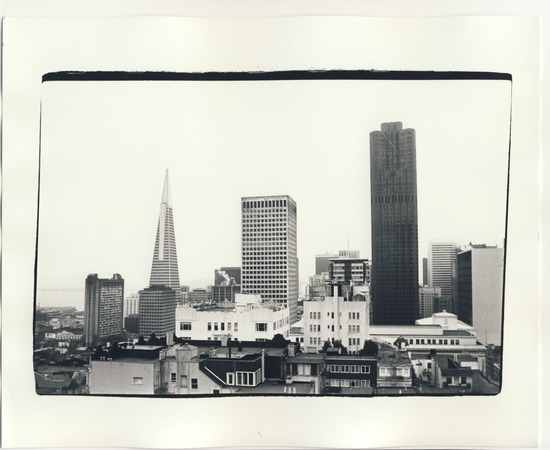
(164, 271)
(103, 302)
(394, 278)
(157, 311)
(442, 273)
(131, 305)
(424, 271)
(480, 288)
(428, 301)
(352, 271)
(350, 254)
(322, 262)
(269, 250)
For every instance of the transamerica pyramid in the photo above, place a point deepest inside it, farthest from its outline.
(165, 259)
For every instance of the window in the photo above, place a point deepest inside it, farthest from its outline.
(384, 372)
(230, 378)
(334, 382)
(209, 326)
(173, 378)
(228, 326)
(222, 326)
(457, 342)
(183, 381)
(429, 365)
(445, 341)
(215, 326)
(194, 383)
(357, 316)
(365, 369)
(354, 369)
(185, 325)
(365, 383)
(344, 383)
(236, 326)
(358, 328)
(354, 383)
(449, 380)
(138, 380)
(344, 369)
(261, 326)
(402, 372)
(463, 380)
(335, 369)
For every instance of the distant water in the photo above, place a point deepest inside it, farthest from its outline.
(61, 297)
(65, 297)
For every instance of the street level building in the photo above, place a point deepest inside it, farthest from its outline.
(480, 291)
(349, 374)
(394, 219)
(103, 303)
(269, 250)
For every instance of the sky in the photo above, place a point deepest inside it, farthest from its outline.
(106, 146)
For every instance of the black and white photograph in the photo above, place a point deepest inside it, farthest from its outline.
(283, 233)
(314, 232)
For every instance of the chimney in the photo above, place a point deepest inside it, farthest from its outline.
(291, 350)
(169, 338)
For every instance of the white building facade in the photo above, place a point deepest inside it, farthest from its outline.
(248, 319)
(336, 319)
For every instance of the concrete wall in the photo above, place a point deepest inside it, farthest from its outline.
(117, 377)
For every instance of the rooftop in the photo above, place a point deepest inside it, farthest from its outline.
(306, 358)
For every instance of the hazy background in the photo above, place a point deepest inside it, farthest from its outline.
(106, 146)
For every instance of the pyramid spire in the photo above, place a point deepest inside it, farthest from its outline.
(166, 195)
(164, 270)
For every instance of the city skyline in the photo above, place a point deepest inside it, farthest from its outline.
(467, 172)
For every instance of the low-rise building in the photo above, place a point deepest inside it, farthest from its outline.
(247, 319)
(305, 368)
(349, 374)
(448, 374)
(336, 318)
(441, 332)
(394, 369)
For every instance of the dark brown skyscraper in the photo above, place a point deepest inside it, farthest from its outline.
(394, 276)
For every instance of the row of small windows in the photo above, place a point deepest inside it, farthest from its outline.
(399, 371)
(242, 378)
(264, 204)
(316, 315)
(335, 368)
(435, 341)
(222, 326)
(347, 383)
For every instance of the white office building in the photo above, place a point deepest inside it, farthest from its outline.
(336, 318)
(247, 319)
